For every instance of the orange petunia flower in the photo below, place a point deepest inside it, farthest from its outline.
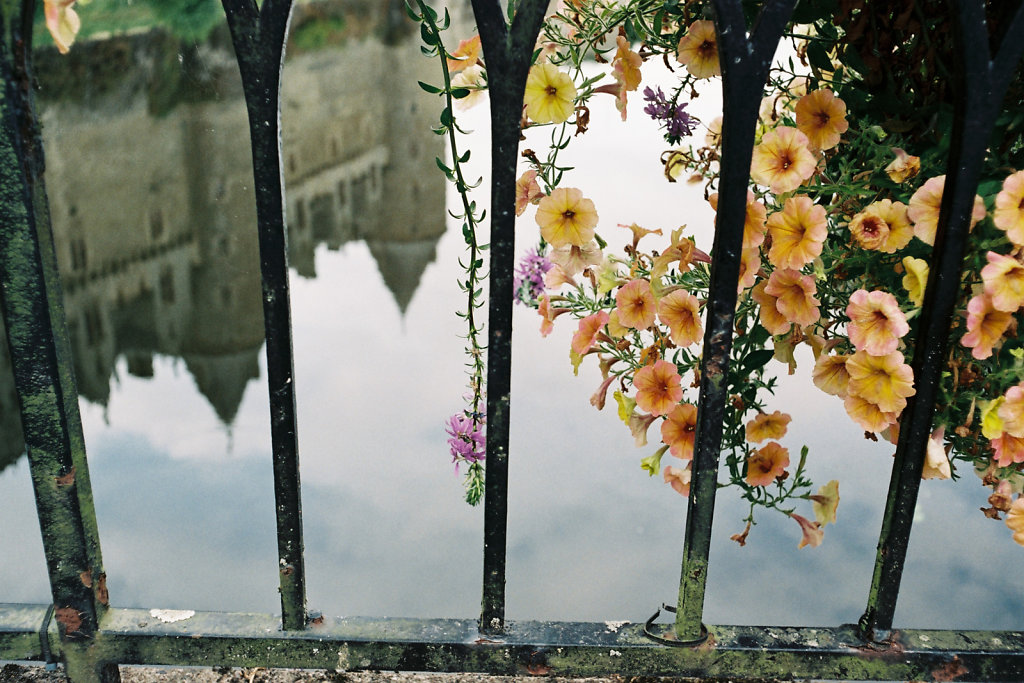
(767, 426)
(547, 314)
(63, 22)
(750, 264)
(887, 381)
(882, 226)
(658, 387)
(876, 322)
(679, 429)
(868, 415)
(1015, 520)
(586, 334)
(811, 532)
(626, 65)
(782, 160)
(825, 503)
(766, 464)
(985, 326)
(794, 296)
(923, 210)
(1009, 449)
(1011, 411)
(550, 94)
(830, 374)
(903, 167)
(1004, 282)
(681, 251)
(821, 116)
(771, 319)
(635, 304)
(466, 54)
(566, 217)
(573, 260)
(1009, 213)
(698, 50)
(798, 233)
(527, 191)
(680, 310)
(679, 478)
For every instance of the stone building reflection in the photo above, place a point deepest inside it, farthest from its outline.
(153, 209)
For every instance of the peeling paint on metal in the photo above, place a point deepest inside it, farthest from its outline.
(169, 616)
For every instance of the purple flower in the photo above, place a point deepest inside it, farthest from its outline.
(678, 124)
(528, 279)
(466, 439)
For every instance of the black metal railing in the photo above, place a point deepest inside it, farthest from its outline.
(92, 638)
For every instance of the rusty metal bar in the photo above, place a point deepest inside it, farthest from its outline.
(983, 82)
(745, 63)
(258, 34)
(508, 52)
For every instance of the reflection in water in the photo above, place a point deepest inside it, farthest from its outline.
(174, 270)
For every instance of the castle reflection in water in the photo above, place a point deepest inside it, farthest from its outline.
(150, 182)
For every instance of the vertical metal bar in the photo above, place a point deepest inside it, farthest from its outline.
(37, 335)
(508, 52)
(983, 84)
(745, 63)
(258, 35)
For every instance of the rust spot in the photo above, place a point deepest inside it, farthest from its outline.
(66, 479)
(69, 618)
(101, 589)
(86, 578)
(538, 664)
(709, 644)
(288, 570)
(950, 671)
(316, 619)
(484, 641)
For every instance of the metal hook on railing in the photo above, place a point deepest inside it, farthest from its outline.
(671, 641)
(44, 639)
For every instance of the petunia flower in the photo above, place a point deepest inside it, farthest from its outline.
(639, 232)
(601, 395)
(797, 232)
(63, 22)
(766, 464)
(573, 259)
(1009, 212)
(680, 310)
(769, 315)
(1004, 282)
(566, 217)
(550, 94)
(1015, 520)
(821, 116)
(555, 277)
(985, 326)
(586, 334)
(750, 265)
(626, 71)
(936, 463)
(678, 430)
(1011, 410)
(466, 54)
(683, 251)
(830, 374)
(924, 206)
(471, 78)
(767, 426)
(658, 387)
(886, 381)
(825, 503)
(903, 167)
(698, 50)
(812, 533)
(782, 160)
(679, 478)
(794, 296)
(638, 424)
(527, 191)
(635, 304)
(915, 279)
(882, 226)
(548, 314)
(868, 415)
(876, 322)
(1009, 449)
(991, 423)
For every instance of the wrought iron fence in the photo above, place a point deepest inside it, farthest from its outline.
(91, 637)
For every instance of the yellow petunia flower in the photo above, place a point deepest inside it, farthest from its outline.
(550, 94)
(886, 381)
(698, 50)
(566, 217)
(782, 160)
(680, 310)
(767, 426)
(797, 232)
(1004, 282)
(821, 116)
(916, 278)
(1009, 213)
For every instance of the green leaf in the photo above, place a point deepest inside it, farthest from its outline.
(756, 360)
(463, 159)
(427, 35)
(444, 169)
(446, 116)
(432, 89)
(459, 93)
(818, 56)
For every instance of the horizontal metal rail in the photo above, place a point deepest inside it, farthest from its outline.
(135, 636)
